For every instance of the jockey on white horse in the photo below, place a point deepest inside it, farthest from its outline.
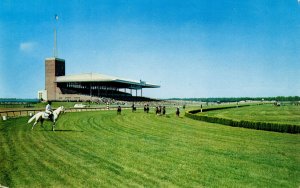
(40, 116)
(49, 111)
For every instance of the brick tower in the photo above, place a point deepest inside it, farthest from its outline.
(53, 67)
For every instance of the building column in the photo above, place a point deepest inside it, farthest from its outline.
(91, 90)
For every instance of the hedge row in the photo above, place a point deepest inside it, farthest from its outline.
(276, 127)
(215, 108)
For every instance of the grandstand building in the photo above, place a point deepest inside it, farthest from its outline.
(90, 86)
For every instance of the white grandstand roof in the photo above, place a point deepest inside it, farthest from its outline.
(95, 77)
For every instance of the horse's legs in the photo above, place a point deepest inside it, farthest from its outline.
(42, 122)
(53, 126)
(33, 125)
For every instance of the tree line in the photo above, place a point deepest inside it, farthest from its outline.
(237, 99)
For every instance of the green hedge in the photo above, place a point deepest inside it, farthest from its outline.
(215, 108)
(276, 127)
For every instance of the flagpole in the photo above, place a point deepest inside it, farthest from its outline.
(55, 38)
(55, 50)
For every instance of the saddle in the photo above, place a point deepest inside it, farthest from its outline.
(46, 115)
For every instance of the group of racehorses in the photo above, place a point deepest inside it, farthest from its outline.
(159, 110)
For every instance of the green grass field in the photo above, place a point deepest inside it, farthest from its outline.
(102, 149)
(287, 114)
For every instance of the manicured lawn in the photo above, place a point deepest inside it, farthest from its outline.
(102, 149)
(287, 114)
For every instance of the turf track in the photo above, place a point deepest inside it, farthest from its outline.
(287, 114)
(136, 149)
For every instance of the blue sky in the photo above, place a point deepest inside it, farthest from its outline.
(191, 48)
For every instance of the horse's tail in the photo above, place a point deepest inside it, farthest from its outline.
(31, 119)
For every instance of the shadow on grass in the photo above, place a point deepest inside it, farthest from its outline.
(58, 130)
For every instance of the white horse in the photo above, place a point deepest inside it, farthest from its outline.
(41, 116)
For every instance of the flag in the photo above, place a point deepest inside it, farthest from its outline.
(56, 17)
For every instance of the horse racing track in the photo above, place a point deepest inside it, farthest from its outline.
(138, 149)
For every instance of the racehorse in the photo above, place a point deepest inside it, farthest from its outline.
(146, 108)
(133, 108)
(156, 110)
(177, 112)
(41, 116)
(119, 110)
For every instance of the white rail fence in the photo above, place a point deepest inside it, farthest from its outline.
(30, 112)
